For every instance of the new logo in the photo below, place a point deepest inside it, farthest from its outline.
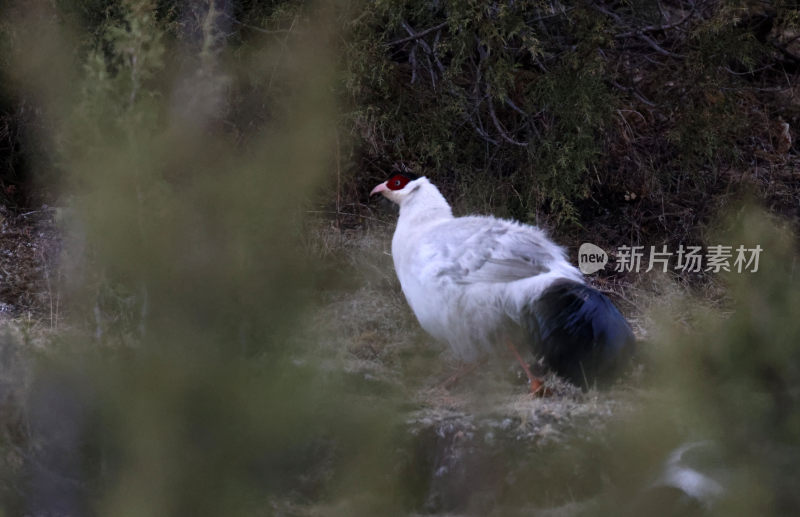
(591, 258)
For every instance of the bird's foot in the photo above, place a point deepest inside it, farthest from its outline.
(539, 389)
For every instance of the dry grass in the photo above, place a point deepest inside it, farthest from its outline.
(361, 327)
(30, 311)
(29, 278)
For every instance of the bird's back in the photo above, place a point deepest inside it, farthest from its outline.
(466, 278)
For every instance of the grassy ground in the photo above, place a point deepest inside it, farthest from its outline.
(483, 422)
(481, 434)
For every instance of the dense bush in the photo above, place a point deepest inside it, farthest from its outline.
(645, 115)
(611, 114)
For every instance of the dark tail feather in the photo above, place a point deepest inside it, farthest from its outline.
(580, 333)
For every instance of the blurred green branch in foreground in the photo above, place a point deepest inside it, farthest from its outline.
(182, 386)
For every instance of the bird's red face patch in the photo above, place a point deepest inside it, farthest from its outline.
(397, 182)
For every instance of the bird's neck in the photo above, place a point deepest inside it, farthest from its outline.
(426, 205)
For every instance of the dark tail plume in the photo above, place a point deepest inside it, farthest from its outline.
(580, 333)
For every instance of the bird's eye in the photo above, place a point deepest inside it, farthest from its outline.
(396, 183)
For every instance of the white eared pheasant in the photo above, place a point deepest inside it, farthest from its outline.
(471, 280)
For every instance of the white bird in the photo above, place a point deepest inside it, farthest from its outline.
(473, 282)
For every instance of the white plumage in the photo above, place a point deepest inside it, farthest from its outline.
(469, 279)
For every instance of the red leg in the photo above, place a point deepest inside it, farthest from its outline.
(537, 386)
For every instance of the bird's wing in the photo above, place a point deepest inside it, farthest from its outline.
(470, 250)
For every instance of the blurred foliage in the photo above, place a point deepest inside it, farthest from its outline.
(182, 382)
(737, 377)
(728, 381)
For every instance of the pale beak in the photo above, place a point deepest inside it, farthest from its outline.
(380, 188)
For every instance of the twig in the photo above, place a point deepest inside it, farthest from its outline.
(43, 209)
(552, 15)
(528, 119)
(275, 32)
(481, 131)
(657, 28)
(415, 35)
(338, 170)
(429, 52)
(756, 89)
(634, 91)
(412, 58)
(337, 212)
(516, 108)
(433, 51)
(658, 48)
(651, 60)
(499, 127)
(749, 72)
(634, 112)
(430, 71)
(608, 13)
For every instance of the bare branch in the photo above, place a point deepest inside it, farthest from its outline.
(499, 126)
(481, 132)
(430, 71)
(658, 48)
(412, 58)
(436, 57)
(608, 13)
(516, 108)
(634, 91)
(651, 28)
(415, 35)
(641, 33)
(429, 52)
(260, 29)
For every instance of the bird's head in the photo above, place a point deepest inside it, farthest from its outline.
(399, 187)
